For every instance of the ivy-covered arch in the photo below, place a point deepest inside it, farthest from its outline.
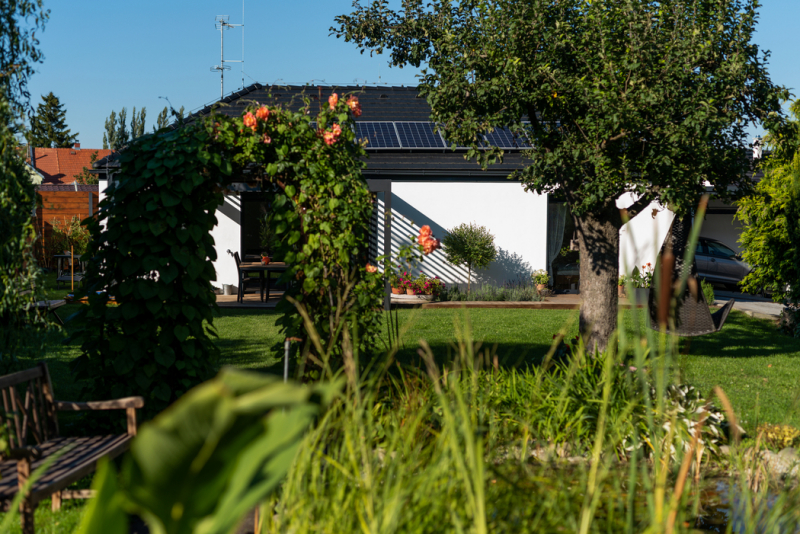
(152, 249)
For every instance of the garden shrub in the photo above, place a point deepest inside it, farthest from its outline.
(69, 233)
(708, 292)
(779, 436)
(154, 254)
(470, 245)
(20, 326)
(487, 293)
(151, 250)
(320, 211)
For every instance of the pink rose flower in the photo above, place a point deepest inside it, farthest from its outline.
(333, 100)
(267, 139)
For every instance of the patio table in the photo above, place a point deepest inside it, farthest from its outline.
(260, 268)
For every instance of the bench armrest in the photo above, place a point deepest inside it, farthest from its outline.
(116, 404)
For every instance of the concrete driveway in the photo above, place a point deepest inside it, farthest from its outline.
(753, 305)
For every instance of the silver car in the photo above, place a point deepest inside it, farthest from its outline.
(719, 264)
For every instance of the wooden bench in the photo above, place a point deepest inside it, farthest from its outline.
(29, 414)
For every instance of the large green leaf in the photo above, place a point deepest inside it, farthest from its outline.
(215, 453)
(104, 513)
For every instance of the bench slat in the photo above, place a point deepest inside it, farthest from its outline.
(72, 466)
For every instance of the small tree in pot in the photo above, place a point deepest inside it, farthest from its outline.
(470, 245)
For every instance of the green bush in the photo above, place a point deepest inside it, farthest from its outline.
(490, 293)
(771, 217)
(70, 234)
(153, 255)
(708, 292)
(470, 245)
(20, 278)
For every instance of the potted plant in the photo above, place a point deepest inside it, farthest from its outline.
(396, 283)
(412, 286)
(621, 285)
(265, 258)
(540, 278)
(641, 281)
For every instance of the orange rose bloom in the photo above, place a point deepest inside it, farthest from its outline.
(250, 121)
(262, 113)
(371, 268)
(354, 106)
(429, 244)
(333, 100)
(329, 138)
(425, 231)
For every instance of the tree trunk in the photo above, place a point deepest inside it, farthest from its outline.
(598, 241)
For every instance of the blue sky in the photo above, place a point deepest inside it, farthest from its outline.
(101, 56)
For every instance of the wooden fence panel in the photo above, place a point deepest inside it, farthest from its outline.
(61, 206)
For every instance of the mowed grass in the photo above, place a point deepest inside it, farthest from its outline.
(758, 367)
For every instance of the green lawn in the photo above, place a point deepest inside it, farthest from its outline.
(758, 367)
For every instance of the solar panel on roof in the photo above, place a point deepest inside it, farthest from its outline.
(504, 138)
(419, 135)
(377, 134)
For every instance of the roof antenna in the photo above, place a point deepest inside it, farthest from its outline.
(221, 23)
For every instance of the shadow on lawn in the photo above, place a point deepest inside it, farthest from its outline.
(744, 337)
(509, 355)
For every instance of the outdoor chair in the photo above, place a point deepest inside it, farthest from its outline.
(244, 279)
(691, 316)
(65, 274)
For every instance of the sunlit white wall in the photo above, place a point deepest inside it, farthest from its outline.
(227, 236)
(641, 238)
(518, 221)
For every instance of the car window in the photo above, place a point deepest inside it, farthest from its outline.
(699, 250)
(719, 250)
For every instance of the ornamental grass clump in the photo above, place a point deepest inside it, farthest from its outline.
(590, 443)
(587, 443)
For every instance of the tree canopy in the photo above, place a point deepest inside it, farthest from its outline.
(649, 97)
(20, 20)
(21, 331)
(49, 125)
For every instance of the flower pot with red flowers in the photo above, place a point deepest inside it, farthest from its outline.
(265, 259)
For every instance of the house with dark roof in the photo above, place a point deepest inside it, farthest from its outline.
(419, 179)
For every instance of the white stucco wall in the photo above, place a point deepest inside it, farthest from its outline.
(517, 219)
(227, 236)
(641, 238)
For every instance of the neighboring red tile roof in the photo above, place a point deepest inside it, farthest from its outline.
(61, 165)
